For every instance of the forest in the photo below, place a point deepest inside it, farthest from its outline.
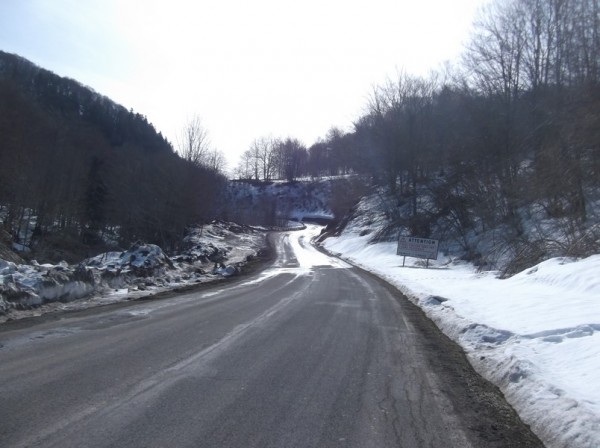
(77, 169)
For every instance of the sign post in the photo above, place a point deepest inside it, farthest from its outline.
(410, 246)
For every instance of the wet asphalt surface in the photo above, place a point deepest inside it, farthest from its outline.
(304, 355)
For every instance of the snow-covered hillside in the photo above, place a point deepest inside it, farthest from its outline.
(536, 335)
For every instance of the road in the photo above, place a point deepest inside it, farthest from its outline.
(310, 353)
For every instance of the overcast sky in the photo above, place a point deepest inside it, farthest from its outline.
(248, 68)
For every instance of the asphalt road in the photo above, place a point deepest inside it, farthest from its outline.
(311, 353)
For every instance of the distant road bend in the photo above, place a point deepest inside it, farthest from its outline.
(311, 353)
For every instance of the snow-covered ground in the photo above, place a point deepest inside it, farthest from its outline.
(217, 250)
(536, 335)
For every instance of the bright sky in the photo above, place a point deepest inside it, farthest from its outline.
(247, 68)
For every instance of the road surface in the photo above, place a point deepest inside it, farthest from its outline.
(311, 353)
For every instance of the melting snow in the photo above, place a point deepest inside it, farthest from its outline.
(536, 335)
(115, 276)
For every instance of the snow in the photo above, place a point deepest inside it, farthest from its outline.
(216, 250)
(536, 335)
(307, 256)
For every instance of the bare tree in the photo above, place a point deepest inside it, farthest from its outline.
(194, 145)
(291, 157)
(260, 160)
(244, 169)
(193, 142)
(215, 161)
(495, 53)
(254, 158)
(264, 148)
(495, 60)
(401, 113)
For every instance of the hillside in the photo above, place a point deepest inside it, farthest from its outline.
(80, 174)
(506, 247)
(535, 334)
(32, 87)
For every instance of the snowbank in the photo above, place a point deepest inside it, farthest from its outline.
(32, 285)
(213, 251)
(535, 335)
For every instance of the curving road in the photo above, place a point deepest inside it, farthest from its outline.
(311, 353)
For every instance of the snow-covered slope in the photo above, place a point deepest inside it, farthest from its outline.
(536, 335)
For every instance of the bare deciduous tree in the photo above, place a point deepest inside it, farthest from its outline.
(194, 145)
(193, 142)
(215, 161)
(259, 161)
(291, 157)
(264, 150)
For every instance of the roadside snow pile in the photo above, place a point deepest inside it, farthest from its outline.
(217, 250)
(24, 286)
(223, 241)
(141, 260)
(536, 335)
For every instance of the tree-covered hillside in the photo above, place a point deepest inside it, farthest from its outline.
(77, 169)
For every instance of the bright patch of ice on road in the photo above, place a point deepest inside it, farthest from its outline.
(269, 273)
(304, 253)
(307, 255)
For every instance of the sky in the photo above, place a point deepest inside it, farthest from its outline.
(247, 68)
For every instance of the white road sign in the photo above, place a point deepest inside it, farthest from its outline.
(410, 246)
